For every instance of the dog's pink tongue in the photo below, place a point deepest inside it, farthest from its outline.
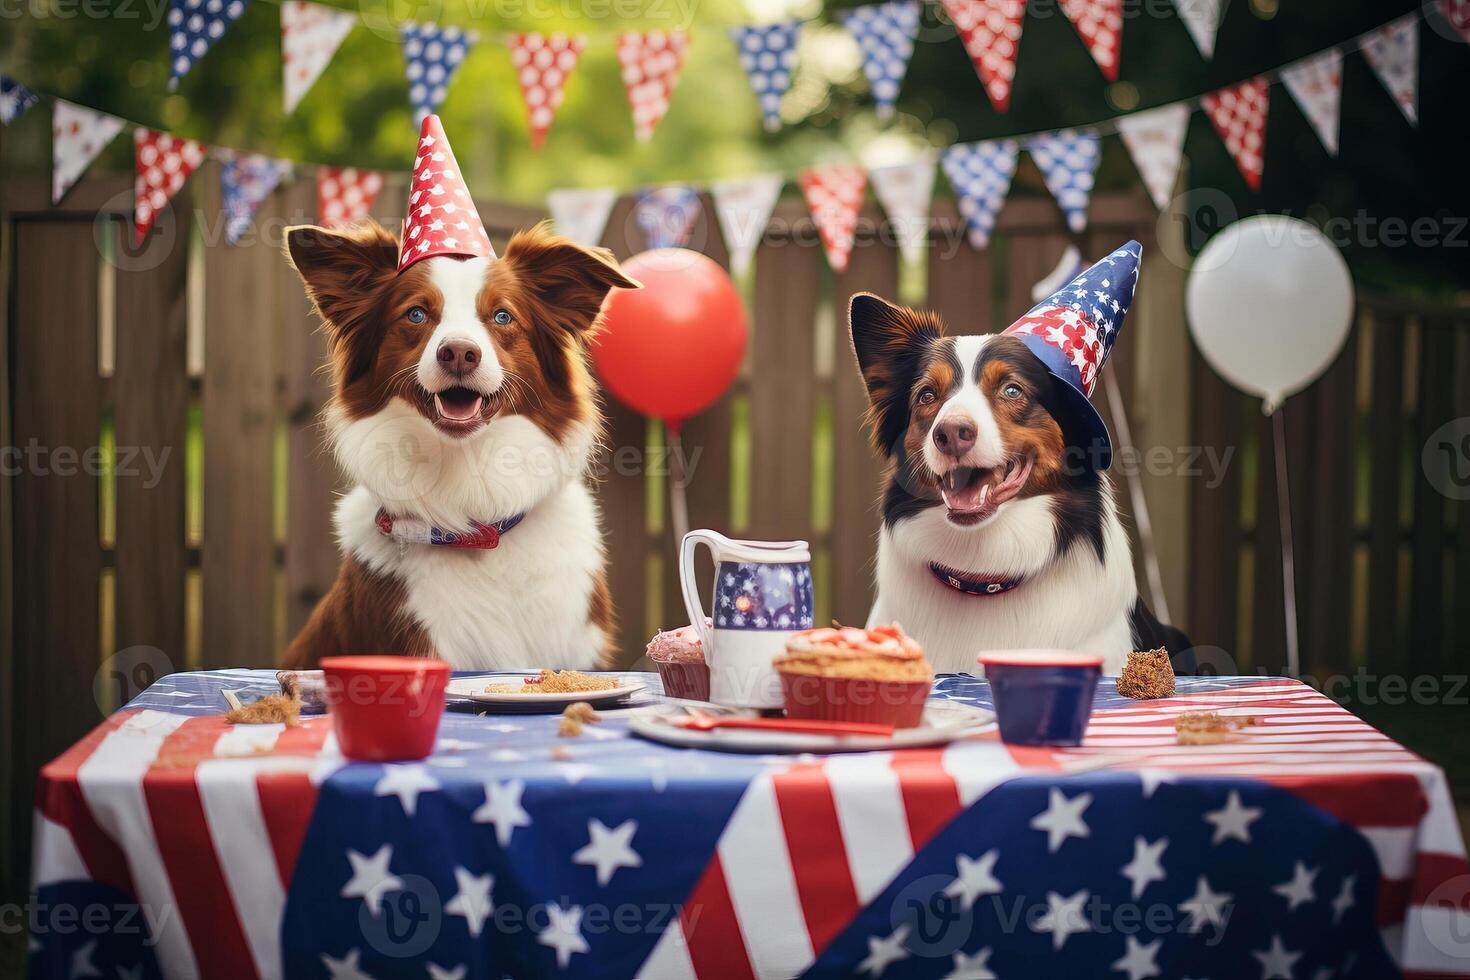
(458, 409)
(969, 499)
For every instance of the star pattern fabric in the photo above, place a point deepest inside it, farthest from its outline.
(744, 206)
(759, 596)
(310, 34)
(163, 163)
(1392, 52)
(980, 174)
(1202, 20)
(768, 55)
(904, 191)
(885, 34)
(77, 135)
(15, 99)
(543, 63)
(1155, 141)
(345, 194)
(1457, 13)
(1238, 114)
(245, 182)
(1100, 25)
(1316, 85)
(1068, 161)
(581, 213)
(834, 196)
(193, 28)
(651, 62)
(991, 32)
(442, 219)
(667, 215)
(431, 56)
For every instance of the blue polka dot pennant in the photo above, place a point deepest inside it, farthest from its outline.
(768, 55)
(980, 174)
(193, 27)
(667, 215)
(885, 32)
(1068, 160)
(431, 56)
(246, 181)
(15, 99)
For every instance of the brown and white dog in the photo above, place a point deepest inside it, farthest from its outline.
(462, 410)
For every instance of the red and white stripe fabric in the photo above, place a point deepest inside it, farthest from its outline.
(1100, 25)
(345, 194)
(164, 162)
(543, 63)
(834, 195)
(651, 62)
(180, 811)
(991, 31)
(1238, 114)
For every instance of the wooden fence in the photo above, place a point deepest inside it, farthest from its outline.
(174, 511)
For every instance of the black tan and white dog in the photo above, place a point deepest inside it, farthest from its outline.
(1000, 529)
(464, 414)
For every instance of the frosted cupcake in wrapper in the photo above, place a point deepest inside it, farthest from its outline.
(679, 656)
(846, 674)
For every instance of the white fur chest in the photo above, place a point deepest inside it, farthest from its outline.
(520, 604)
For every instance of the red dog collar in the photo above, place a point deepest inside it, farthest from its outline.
(981, 585)
(482, 536)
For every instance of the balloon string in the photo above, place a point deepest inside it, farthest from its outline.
(678, 499)
(1140, 503)
(1288, 552)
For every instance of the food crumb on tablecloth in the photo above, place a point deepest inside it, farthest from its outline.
(1148, 674)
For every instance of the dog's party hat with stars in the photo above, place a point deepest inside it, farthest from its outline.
(442, 219)
(1072, 331)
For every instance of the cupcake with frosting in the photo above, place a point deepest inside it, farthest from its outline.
(842, 673)
(679, 656)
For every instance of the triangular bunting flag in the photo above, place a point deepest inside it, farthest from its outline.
(991, 31)
(980, 174)
(904, 191)
(431, 56)
(1155, 140)
(1393, 53)
(442, 219)
(1457, 12)
(1202, 20)
(1316, 84)
(744, 206)
(1068, 160)
(310, 34)
(15, 99)
(1100, 25)
(164, 162)
(885, 33)
(345, 194)
(651, 64)
(581, 213)
(834, 196)
(77, 136)
(193, 27)
(768, 55)
(667, 215)
(245, 181)
(543, 63)
(1238, 114)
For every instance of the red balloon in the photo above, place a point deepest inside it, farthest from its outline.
(672, 348)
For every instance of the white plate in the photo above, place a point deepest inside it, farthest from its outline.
(473, 688)
(944, 721)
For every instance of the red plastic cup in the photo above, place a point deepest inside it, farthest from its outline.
(385, 709)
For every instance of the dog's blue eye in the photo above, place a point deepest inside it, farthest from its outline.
(502, 317)
(1012, 391)
(418, 315)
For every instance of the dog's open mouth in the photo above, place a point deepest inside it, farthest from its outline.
(461, 410)
(972, 494)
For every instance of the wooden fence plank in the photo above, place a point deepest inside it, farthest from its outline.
(960, 288)
(151, 391)
(1461, 597)
(58, 557)
(1326, 566)
(239, 406)
(1215, 516)
(1385, 427)
(1425, 652)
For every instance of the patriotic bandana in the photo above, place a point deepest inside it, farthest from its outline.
(1068, 161)
(15, 99)
(442, 219)
(667, 215)
(246, 181)
(885, 32)
(543, 63)
(1072, 331)
(345, 194)
(980, 174)
(411, 530)
(193, 27)
(651, 64)
(768, 54)
(163, 163)
(431, 56)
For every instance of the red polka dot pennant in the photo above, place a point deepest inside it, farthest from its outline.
(991, 30)
(543, 63)
(651, 62)
(164, 163)
(1100, 25)
(834, 195)
(1238, 114)
(345, 194)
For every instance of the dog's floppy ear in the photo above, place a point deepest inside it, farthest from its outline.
(890, 343)
(570, 281)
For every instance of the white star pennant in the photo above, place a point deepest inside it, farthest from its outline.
(1316, 85)
(1100, 25)
(834, 195)
(15, 99)
(310, 34)
(163, 162)
(581, 213)
(1238, 114)
(1393, 53)
(193, 27)
(667, 215)
(1068, 161)
(77, 136)
(431, 56)
(1202, 20)
(345, 194)
(980, 174)
(768, 55)
(885, 33)
(651, 64)
(1155, 140)
(744, 206)
(904, 191)
(543, 63)
(245, 182)
(991, 31)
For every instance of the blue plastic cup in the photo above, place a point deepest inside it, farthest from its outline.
(1042, 697)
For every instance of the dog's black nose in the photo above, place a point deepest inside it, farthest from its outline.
(459, 357)
(955, 436)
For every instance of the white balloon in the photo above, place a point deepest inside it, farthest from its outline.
(1270, 302)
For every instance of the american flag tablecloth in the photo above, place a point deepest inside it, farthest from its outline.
(171, 843)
